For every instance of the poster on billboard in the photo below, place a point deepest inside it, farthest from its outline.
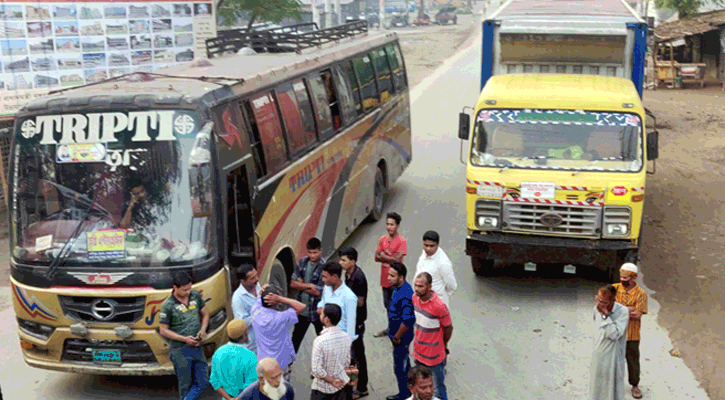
(59, 44)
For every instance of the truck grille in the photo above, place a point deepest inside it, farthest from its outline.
(81, 350)
(125, 310)
(561, 219)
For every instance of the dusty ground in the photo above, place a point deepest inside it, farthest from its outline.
(685, 233)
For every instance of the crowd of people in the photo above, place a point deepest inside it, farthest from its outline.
(331, 296)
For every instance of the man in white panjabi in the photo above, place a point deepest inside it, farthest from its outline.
(606, 381)
(434, 261)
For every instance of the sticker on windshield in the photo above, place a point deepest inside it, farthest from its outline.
(80, 152)
(558, 117)
(106, 245)
(538, 190)
(43, 243)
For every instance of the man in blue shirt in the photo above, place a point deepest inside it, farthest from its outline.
(233, 366)
(401, 317)
(243, 299)
(336, 292)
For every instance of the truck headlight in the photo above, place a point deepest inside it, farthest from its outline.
(488, 213)
(617, 229)
(35, 329)
(487, 222)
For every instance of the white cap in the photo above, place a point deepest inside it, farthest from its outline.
(629, 267)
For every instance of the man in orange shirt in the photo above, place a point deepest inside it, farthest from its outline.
(391, 247)
(635, 299)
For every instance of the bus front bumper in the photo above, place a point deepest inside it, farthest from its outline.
(547, 249)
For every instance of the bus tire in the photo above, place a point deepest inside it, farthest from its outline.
(481, 266)
(379, 190)
(278, 276)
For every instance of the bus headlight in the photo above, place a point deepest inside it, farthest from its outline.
(217, 320)
(35, 329)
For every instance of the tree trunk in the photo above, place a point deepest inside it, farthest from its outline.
(251, 21)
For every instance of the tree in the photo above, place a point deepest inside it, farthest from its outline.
(686, 8)
(265, 10)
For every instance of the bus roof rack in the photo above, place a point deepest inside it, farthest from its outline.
(281, 40)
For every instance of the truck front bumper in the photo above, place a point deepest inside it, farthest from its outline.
(543, 249)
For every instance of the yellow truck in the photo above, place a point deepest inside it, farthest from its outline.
(558, 145)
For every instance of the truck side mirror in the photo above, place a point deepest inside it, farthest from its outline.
(464, 126)
(653, 151)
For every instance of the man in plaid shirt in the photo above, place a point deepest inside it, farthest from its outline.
(330, 357)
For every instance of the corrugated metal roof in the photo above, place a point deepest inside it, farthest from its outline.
(702, 23)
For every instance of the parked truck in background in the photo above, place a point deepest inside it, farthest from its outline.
(558, 149)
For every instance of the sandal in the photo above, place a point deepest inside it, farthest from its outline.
(356, 395)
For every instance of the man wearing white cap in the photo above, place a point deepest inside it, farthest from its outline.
(635, 299)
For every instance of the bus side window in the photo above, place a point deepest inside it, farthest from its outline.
(350, 72)
(254, 139)
(305, 109)
(383, 71)
(396, 62)
(290, 115)
(270, 131)
(364, 68)
(322, 107)
(346, 97)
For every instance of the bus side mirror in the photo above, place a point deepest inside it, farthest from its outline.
(653, 151)
(464, 126)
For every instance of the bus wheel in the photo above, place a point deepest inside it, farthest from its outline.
(481, 266)
(278, 277)
(378, 195)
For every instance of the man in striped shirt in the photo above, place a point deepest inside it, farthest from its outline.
(330, 357)
(635, 299)
(433, 330)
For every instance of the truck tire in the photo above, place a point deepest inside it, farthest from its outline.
(481, 266)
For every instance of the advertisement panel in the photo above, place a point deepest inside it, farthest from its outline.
(59, 44)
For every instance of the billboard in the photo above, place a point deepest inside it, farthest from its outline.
(59, 44)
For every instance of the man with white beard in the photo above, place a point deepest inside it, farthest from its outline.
(271, 384)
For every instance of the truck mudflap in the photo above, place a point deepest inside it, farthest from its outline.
(523, 248)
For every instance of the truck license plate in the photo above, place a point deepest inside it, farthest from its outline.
(569, 269)
(107, 356)
(529, 266)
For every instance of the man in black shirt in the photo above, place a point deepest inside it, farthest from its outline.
(356, 281)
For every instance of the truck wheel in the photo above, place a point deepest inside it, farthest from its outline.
(378, 195)
(481, 266)
(278, 276)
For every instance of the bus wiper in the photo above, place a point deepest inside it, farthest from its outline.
(516, 163)
(68, 245)
(592, 162)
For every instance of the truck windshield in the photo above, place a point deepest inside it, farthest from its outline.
(560, 140)
(131, 199)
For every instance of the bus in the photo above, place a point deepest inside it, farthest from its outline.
(204, 168)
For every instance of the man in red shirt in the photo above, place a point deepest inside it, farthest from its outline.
(391, 247)
(433, 330)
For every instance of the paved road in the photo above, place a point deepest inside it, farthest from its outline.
(521, 337)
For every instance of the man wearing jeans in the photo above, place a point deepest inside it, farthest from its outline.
(433, 330)
(401, 319)
(183, 320)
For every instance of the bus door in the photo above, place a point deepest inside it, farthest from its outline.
(240, 221)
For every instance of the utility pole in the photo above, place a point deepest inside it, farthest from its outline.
(381, 13)
(338, 13)
(315, 14)
(328, 14)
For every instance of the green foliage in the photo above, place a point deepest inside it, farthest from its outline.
(231, 11)
(686, 8)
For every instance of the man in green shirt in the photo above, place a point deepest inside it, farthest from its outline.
(183, 320)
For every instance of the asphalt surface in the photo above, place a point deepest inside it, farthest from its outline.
(519, 335)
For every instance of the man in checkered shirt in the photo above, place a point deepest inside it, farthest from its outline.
(330, 357)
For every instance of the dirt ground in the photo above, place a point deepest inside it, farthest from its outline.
(685, 228)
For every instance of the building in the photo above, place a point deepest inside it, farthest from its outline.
(66, 29)
(44, 64)
(12, 31)
(95, 76)
(138, 11)
(90, 13)
(39, 29)
(184, 28)
(161, 25)
(71, 80)
(186, 55)
(43, 46)
(19, 83)
(96, 29)
(160, 11)
(45, 81)
(68, 45)
(18, 66)
(116, 29)
(117, 43)
(163, 41)
(116, 60)
(69, 63)
(184, 40)
(90, 45)
(33, 12)
(163, 56)
(115, 11)
(141, 57)
(64, 12)
(139, 26)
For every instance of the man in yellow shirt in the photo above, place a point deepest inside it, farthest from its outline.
(635, 299)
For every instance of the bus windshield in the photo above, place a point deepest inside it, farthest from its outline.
(139, 197)
(559, 140)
